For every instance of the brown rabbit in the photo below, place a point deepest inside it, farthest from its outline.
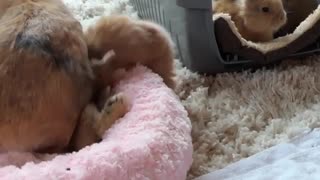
(47, 80)
(133, 42)
(256, 20)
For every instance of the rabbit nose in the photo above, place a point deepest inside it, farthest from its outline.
(282, 16)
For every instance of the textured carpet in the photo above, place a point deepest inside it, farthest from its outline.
(235, 115)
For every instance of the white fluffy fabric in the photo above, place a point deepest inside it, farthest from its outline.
(235, 115)
(89, 11)
(298, 159)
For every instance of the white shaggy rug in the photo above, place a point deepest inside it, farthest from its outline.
(235, 115)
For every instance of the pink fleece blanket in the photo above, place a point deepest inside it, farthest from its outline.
(152, 141)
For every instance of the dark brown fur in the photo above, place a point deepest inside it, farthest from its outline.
(46, 77)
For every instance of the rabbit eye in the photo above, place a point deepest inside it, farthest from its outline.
(265, 9)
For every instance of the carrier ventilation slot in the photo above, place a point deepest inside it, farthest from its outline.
(151, 10)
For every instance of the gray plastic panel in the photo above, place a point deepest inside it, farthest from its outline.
(191, 26)
(194, 4)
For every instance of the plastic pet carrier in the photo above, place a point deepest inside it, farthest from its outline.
(208, 43)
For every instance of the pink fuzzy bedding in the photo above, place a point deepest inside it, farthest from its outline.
(152, 141)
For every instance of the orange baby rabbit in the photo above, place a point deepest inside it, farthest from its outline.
(256, 20)
(133, 42)
(46, 80)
